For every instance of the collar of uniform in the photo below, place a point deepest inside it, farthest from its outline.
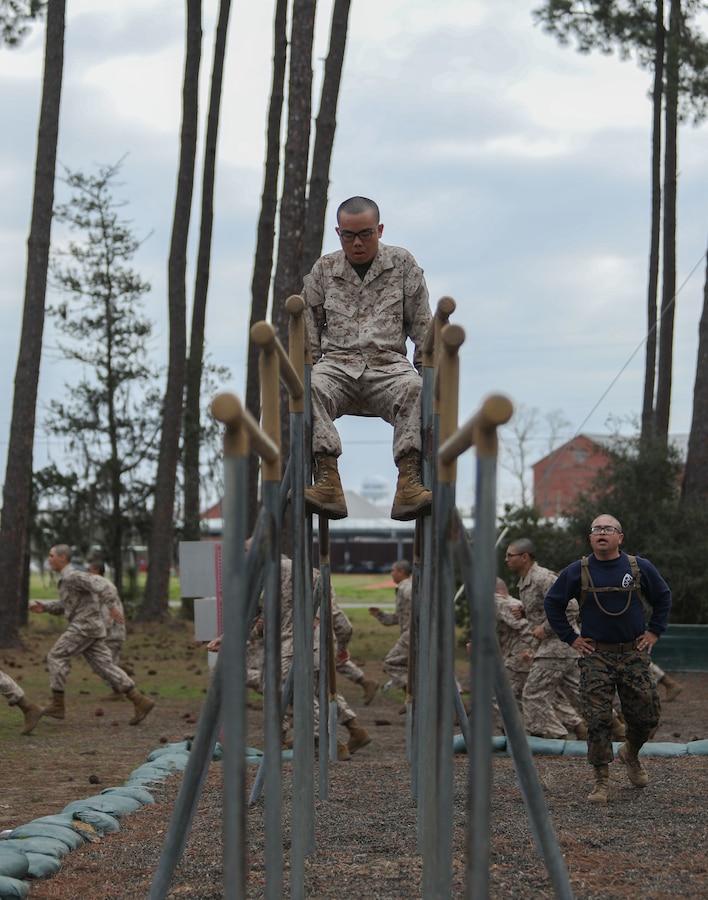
(380, 263)
(526, 579)
(65, 571)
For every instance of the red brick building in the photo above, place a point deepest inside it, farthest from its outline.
(570, 471)
(566, 473)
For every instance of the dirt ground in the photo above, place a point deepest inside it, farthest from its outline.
(649, 843)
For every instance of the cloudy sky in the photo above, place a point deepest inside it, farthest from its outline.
(516, 172)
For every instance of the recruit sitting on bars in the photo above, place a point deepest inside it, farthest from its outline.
(362, 303)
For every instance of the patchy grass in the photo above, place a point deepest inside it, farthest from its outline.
(43, 586)
(374, 590)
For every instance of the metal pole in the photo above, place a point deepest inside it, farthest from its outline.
(437, 839)
(269, 366)
(482, 617)
(240, 429)
(326, 661)
(233, 670)
(517, 744)
(531, 789)
(303, 799)
(423, 600)
(190, 790)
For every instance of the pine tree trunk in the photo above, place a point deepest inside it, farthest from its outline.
(695, 482)
(263, 263)
(297, 149)
(668, 294)
(161, 546)
(292, 203)
(324, 139)
(18, 474)
(192, 430)
(653, 282)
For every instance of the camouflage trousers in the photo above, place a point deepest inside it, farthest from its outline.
(255, 665)
(517, 680)
(114, 646)
(395, 663)
(393, 395)
(10, 689)
(601, 674)
(550, 698)
(344, 712)
(351, 671)
(96, 653)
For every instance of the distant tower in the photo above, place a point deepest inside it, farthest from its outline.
(375, 488)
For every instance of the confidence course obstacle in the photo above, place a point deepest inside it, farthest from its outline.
(441, 545)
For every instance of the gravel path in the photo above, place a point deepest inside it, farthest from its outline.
(644, 844)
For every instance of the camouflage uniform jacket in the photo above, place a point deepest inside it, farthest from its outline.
(107, 594)
(286, 610)
(404, 597)
(514, 635)
(532, 590)
(79, 603)
(365, 323)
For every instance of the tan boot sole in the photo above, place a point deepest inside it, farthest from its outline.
(407, 513)
(329, 510)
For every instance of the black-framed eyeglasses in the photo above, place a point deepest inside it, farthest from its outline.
(364, 235)
(510, 555)
(604, 529)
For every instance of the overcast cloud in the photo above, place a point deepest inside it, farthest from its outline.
(516, 171)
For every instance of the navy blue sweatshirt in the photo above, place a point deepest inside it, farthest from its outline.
(595, 623)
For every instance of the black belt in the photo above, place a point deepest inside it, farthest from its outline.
(616, 648)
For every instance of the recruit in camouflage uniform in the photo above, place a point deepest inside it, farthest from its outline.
(15, 696)
(358, 736)
(516, 642)
(85, 635)
(362, 303)
(108, 599)
(614, 646)
(395, 663)
(550, 698)
(345, 667)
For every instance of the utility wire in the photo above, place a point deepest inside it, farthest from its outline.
(547, 473)
(638, 347)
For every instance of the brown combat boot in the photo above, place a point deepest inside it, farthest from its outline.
(673, 688)
(411, 499)
(601, 791)
(637, 774)
(369, 687)
(32, 713)
(56, 707)
(326, 497)
(343, 751)
(358, 737)
(141, 704)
